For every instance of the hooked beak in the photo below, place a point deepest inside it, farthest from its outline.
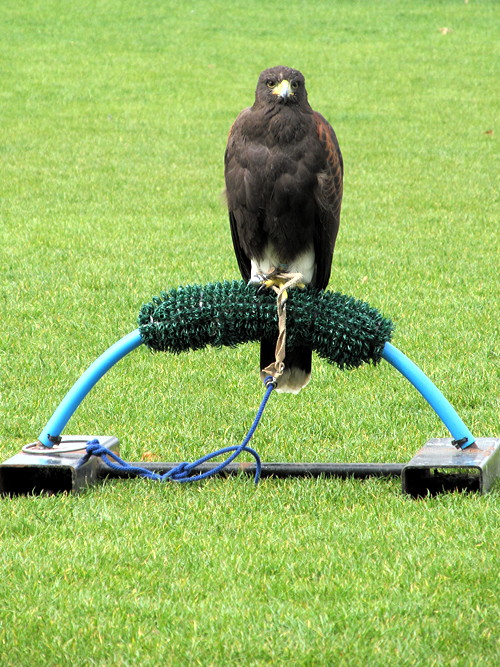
(283, 89)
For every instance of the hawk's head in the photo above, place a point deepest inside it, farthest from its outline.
(281, 85)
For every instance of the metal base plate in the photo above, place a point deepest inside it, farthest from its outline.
(440, 466)
(437, 467)
(39, 469)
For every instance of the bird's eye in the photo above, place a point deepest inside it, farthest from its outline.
(295, 85)
(271, 83)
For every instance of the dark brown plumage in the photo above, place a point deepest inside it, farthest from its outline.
(284, 172)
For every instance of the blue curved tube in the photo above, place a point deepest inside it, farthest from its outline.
(131, 341)
(81, 388)
(431, 393)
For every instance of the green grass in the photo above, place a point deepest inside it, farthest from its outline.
(114, 118)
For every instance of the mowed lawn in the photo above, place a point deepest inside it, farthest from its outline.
(113, 123)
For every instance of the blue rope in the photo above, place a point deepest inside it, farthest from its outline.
(183, 472)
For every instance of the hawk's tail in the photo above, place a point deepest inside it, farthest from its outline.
(297, 371)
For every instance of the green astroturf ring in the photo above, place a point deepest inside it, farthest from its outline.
(339, 328)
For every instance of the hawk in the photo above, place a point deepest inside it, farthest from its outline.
(284, 174)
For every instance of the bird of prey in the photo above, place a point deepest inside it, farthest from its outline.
(284, 174)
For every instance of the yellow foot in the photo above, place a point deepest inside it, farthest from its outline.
(274, 282)
(281, 282)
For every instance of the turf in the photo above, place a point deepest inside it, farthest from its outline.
(114, 122)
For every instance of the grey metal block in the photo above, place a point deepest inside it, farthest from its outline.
(39, 469)
(440, 466)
